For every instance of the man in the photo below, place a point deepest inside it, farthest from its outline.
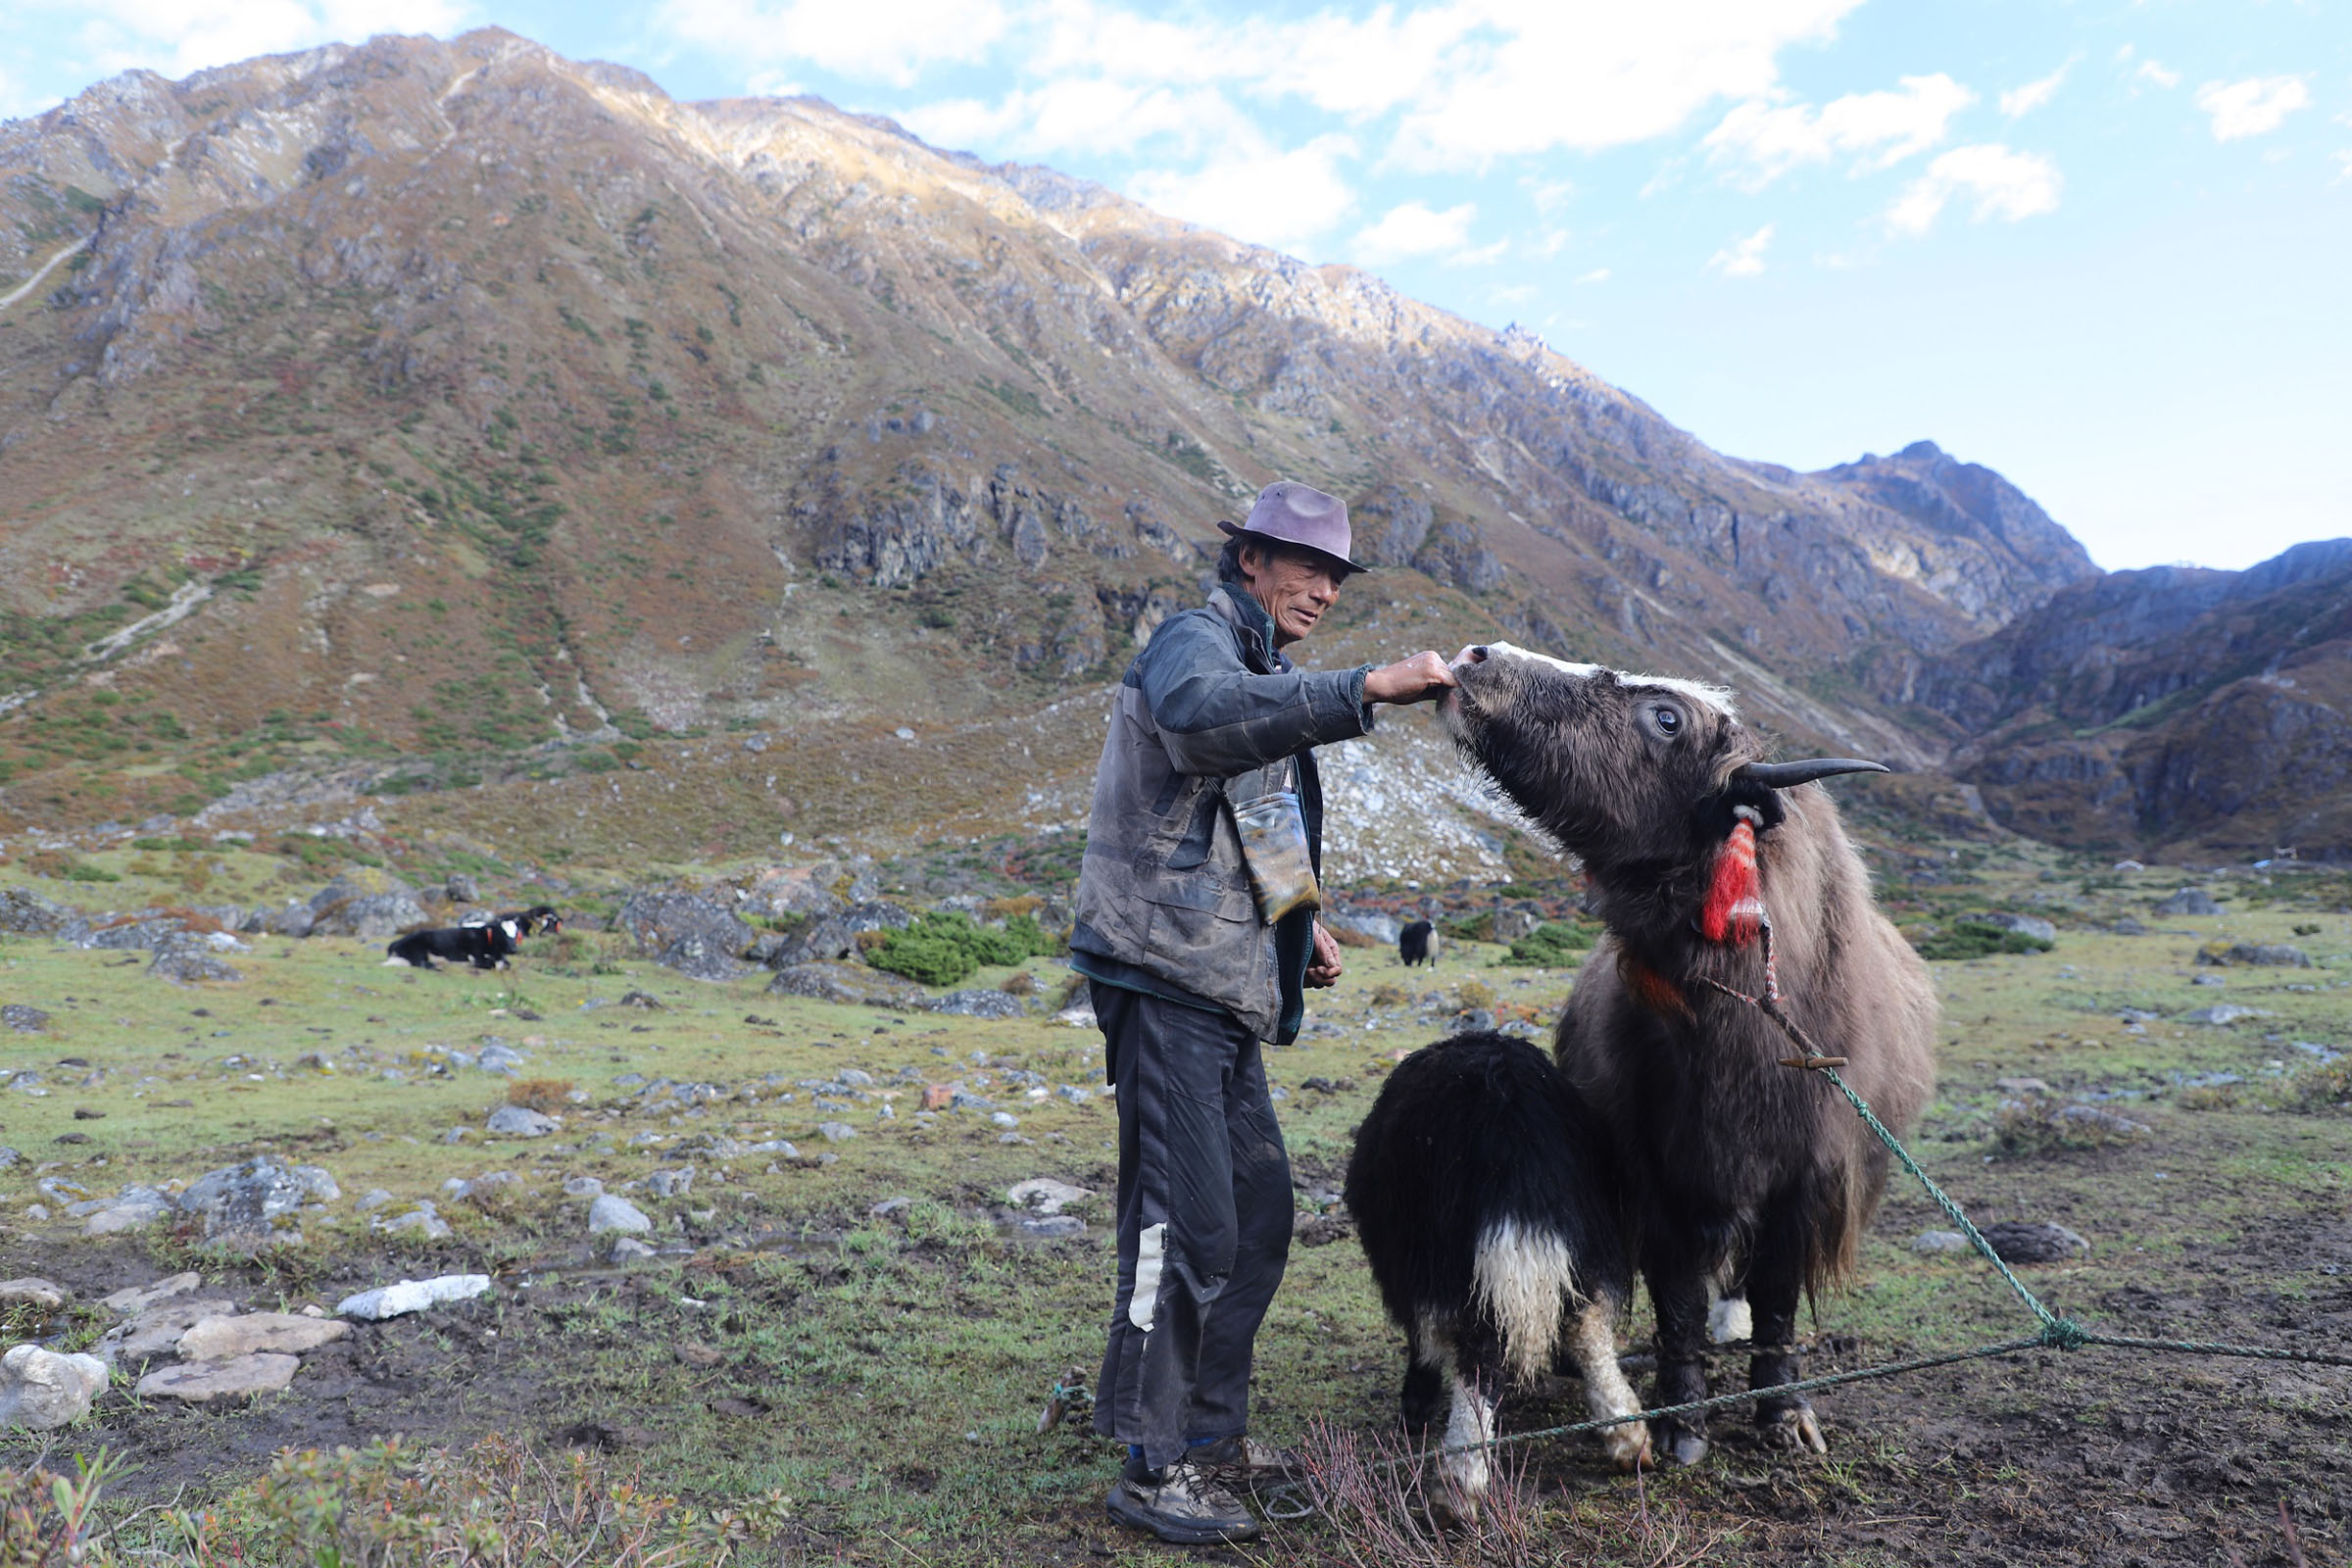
(1188, 979)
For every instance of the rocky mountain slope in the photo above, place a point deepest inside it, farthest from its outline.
(405, 415)
(2205, 710)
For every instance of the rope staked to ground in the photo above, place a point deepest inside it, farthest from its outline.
(2056, 1332)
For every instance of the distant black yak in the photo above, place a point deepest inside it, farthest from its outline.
(485, 947)
(1418, 944)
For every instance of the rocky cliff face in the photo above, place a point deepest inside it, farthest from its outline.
(478, 402)
(2177, 707)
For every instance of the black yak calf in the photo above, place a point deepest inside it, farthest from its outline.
(1711, 869)
(485, 947)
(1481, 1193)
(1418, 944)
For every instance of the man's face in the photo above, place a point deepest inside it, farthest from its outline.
(1296, 589)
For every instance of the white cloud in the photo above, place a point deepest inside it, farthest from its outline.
(892, 43)
(1881, 128)
(1090, 115)
(1599, 275)
(2344, 165)
(2024, 99)
(1413, 230)
(2153, 71)
(2254, 107)
(1253, 191)
(1550, 244)
(1744, 257)
(1539, 74)
(180, 37)
(1547, 195)
(2005, 184)
(1481, 256)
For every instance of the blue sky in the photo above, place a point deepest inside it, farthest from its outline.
(2105, 248)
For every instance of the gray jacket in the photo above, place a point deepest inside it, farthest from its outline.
(1209, 710)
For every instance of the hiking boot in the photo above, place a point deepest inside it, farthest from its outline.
(1186, 1503)
(1246, 1461)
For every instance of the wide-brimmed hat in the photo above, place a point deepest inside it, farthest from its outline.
(1301, 516)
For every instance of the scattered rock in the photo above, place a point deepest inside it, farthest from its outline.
(2126, 926)
(425, 1219)
(365, 901)
(132, 1300)
(834, 938)
(2189, 900)
(2227, 1013)
(28, 914)
(1935, 1243)
(155, 1329)
(520, 1121)
(1323, 1229)
(629, 1249)
(2033, 1242)
(2277, 956)
(2105, 1121)
(2025, 925)
(2021, 1085)
(847, 983)
(184, 962)
(1043, 1195)
(294, 920)
(33, 1292)
(23, 1018)
(461, 889)
(641, 999)
(41, 1390)
(500, 1058)
(412, 1295)
(1078, 1017)
(372, 1199)
(835, 1132)
(204, 1381)
(243, 1201)
(980, 1004)
(610, 1437)
(222, 1339)
(584, 1186)
(612, 1212)
(670, 1183)
(686, 932)
(1049, 1225)
(136, 1207)
(2207, 980)
(891, 1206)
(1381, 928)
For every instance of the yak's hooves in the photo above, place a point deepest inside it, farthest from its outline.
(1684, 1447)
(1628, 1446)
(1797, 1429)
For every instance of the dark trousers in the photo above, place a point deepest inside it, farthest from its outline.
(1205, 1222)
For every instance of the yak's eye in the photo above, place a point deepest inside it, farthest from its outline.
(1669, 721)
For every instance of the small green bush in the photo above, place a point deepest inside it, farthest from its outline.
(1554, 945)
(1974, 939)
(944, 948)
(83, 871)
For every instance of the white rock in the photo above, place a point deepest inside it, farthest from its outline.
(1044, 1195)
(670, 1183)
(202, 1382)
(520, 1121)
(629, 1249)
(222, 1339)
(374, 1198)
(611, 1212)
(584, 1186)
(41, 1390)
(33, 1292)
(412, 1295)
(834, 1132)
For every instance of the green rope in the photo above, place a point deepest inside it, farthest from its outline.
(2049, 1319)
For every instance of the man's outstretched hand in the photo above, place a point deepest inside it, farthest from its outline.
(1409, 680)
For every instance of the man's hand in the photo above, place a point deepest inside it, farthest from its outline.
(1410, 680)
(1323, 969)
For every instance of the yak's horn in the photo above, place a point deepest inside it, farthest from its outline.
(1787, 776)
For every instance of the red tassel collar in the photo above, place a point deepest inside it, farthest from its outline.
(1734, 911)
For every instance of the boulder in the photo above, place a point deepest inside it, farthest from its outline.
(190, 960)
(33, 1291)
(2091, 1118)
(136, 1207)
(461, 889)
(1382, 928)
(2189, 900)
(686, 932)
(294, 920)
(412, 1295)
(2276, 955)
(42, 1389)
(980, 1004)
(2033, 1242)
(422, 1218)
(782, 890)
(520, 1121)
(155, 1330)
(2222, 1015)
(204, 1381)
(836, 1132)
(243, 1201)
(1936, 1242)
(1043, 1195)
(612, 1212)
(365, 901)
(851, 984)
(223, 1339)
(670, 1183)
(835, 938)
(2025, 925)
(132, 1300)
(23, 1018)
(26, 914)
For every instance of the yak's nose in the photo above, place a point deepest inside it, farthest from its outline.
(1475, 654)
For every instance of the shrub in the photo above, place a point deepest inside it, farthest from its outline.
(83, 871)
(2322, 1086)
(1974, 939)
(2037, 1125)
(1552, 945)
(944, 948)
(1472, 995)
(547, 1096)
(1479, 927)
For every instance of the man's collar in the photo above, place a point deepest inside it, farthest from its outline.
(1246, 615)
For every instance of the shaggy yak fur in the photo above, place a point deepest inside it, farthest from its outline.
(1481, 1193)
(485, 947)
(1418, 944)
(1737, 1173)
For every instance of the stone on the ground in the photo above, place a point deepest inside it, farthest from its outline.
(243, 1203)
(222, 1339)
(1044, 1195)
(1005, 1119)
(891, 1206)
(1078, 1017)
(425, 1219)
(41, 1390)
(461, 889)
(2096, 1120)
(629, 1249)
(520, 1121)
(835, 1132)
(365, 901)
(203, 1382)
(28, 914)
(980, 1004)
(2033, 1242)
(412, 1295)
(2227, 1013)
(2276, 955)
(1054, 1225)
(374, 1198)
(2126, 926)
(670, 1183)
(1934, 1241)
(851, 984)
(2025, 925)
(500, 1058)
(612, 1212)
(834, 938)
(693, 935)
(32, 1291)
(132, 1300)
(155, 1329)
(23, 1019)
(184, 961)
(2189, 900)
(584, 1186)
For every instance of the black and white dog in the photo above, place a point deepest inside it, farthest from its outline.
(1481, 1194)
(485, 947)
